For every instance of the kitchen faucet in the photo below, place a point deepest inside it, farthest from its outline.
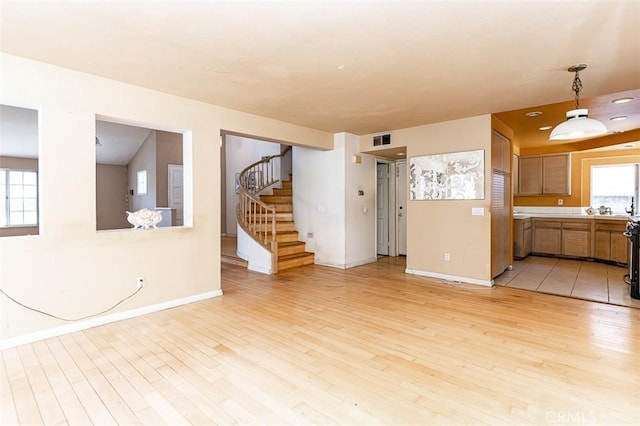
(630, 212)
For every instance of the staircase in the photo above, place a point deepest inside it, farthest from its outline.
(291, 251)
(268, 219)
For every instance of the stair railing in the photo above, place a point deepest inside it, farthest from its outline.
(257, 218)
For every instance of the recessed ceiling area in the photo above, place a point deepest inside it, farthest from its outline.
(532, 130)
(359, 67)
(398, 153)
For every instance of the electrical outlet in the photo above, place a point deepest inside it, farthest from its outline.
(447, 256)
(140, 282)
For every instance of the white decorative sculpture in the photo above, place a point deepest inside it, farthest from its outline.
(144, 219)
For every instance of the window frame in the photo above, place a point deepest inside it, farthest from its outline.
(7, 199)
(636, 184)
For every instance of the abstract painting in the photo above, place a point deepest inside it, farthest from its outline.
(450, 176)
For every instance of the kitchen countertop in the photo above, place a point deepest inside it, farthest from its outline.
(570, 216)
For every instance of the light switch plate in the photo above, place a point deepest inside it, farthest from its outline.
(477, 211)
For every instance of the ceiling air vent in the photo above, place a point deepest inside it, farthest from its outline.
(382, 140)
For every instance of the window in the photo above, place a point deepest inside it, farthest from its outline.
(18, 197)
(615, 186)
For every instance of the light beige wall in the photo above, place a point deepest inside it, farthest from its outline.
(111, 197)
(18, 163)
(63, 271)
(168, 151)
(22, 164)
(436, 227)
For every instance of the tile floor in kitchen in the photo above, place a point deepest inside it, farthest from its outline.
(572, 278)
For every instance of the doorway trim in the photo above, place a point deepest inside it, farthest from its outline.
(393, 233)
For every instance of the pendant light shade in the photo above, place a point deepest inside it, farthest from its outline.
(578, 124)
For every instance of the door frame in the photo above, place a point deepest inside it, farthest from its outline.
(393, 219)
(170, 170)
(397, 201)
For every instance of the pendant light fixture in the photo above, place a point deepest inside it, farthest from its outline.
(578, 124)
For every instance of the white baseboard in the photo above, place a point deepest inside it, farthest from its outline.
(83, 325)
(347, 265)
(452, 278)
(330, 264)
(361, 262)
(259, 269)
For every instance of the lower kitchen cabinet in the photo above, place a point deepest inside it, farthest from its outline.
(547, 237)
(576, 238)
(610, 244)
(521, 238)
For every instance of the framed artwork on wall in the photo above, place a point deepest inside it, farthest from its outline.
(449, 176)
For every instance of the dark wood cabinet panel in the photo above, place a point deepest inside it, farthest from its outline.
(555, 174)
(544, 175)
(530, 176)
(610, 243)
(521, 238)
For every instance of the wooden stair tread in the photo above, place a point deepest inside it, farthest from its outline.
(295, 256)
(291, 243)
(290, 247)
(293, 260)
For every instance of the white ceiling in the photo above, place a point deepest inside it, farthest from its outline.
(355, 66)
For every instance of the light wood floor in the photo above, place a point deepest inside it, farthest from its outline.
(572, 278)
(228, 251)
(315, 345)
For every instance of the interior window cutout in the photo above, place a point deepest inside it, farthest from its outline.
(138, 168)
(19, 188)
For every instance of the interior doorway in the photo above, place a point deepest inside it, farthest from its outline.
(401, 204)
(391, 207)
(383, 177)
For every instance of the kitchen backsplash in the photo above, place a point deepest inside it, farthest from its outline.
(549, 210)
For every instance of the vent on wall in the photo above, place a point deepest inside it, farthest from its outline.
(382, 140)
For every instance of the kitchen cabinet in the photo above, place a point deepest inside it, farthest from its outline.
(530, 176)
(610, 244)
(500, 153)
(521, 237)
(564, 237)
(576, 238)
(580, 238)
(515, 173)
(500, 203)
(544, 175)
(547, 237)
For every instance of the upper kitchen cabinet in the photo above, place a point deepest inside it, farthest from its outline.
(501, 153)
(544, 175)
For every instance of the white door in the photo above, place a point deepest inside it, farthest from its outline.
(401, 203)
(175, 192)
(382, 208)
